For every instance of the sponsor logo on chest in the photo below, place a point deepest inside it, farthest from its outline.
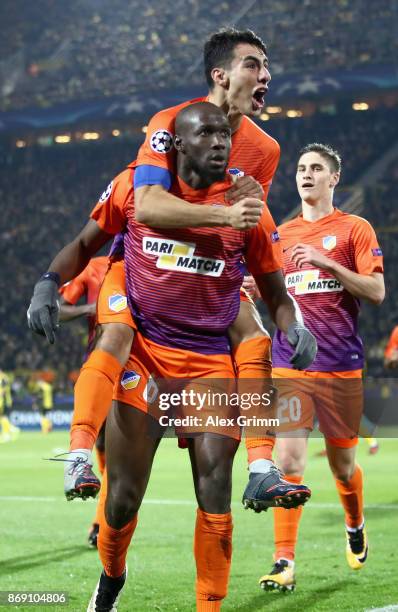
(308, 281)
(180, 256)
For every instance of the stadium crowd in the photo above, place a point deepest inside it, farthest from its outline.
(380, 209)
(90, 49)
(43, 209)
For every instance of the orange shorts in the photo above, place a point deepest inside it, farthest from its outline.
(334, 398)
(155, 372)
(112, 304)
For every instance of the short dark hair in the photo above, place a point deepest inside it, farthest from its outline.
(327, 152)
(218, 49)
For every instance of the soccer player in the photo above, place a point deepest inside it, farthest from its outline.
(8, 431)
(43, 401)
(87, 285)
(391, 350)
(183, 325)
(331, 261)
(236, 67)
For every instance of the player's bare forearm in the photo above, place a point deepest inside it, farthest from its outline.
(70, 312)
(283, 310)
(74, 257)
(156, 207)
(368, 287)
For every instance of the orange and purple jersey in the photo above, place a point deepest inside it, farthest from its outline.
(253, 151)
(330, 312)
(87, 285)
(392, 346)
(183, 285)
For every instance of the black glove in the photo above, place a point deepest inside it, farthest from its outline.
(305, 344)
(44, 307)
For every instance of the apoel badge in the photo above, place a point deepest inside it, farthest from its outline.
(117, 302)
(130, 379)
(329, 242)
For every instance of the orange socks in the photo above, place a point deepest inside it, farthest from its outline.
(253, 360)
(286, 524)
(259, 448)
(351, 497)
(93, 398)
(213, 551)
(100, 460)
(112, 543)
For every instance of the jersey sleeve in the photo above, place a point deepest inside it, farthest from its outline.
(367, 252)
(158, 150)
(77, 288)
(271, 160)
(392, 345)
(111, 210)
(263, 250)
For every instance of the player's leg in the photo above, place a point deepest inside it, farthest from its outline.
(100, 452)
(130, 453)
(45, 422)
(8, 431)
(366, 431)
(94, 387)
(349, 482)
(251, 346)
(212, 457)
(291, 458)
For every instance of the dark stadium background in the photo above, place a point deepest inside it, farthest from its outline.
(79, 81)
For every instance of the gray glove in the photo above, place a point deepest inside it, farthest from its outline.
(305, 344)
(43, 311)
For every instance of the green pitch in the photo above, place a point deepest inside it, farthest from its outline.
(43, 538)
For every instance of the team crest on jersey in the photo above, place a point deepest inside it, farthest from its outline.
(130, 379)
(105, 195)
(329, 242)
(308, 281)
(117, 302)
(161, 141)
(179, 256)
(275, 236)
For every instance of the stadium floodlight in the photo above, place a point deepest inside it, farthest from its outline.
(91, 136)
(273, 110)
(360, 106)
(115, 132)
(294, 113)
(144, 129)
(62, 138)
(20, 144)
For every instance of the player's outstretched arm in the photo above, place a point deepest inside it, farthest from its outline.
(74, 257)
(287, 316)
(156, 207)
(43, 311)
(70, 312)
